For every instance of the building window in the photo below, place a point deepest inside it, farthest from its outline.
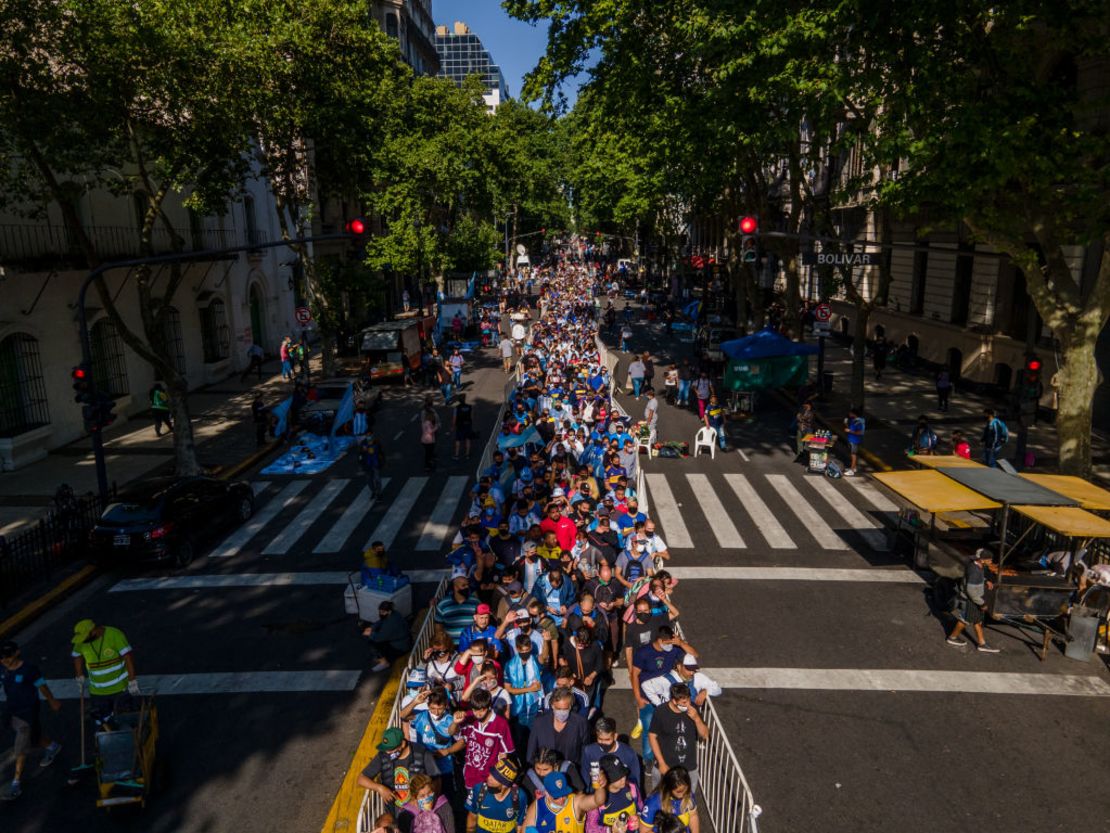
(920, 270)
(251, 221)
(961, 291)
(391, 27)
(213, 332)
(23, 404)
(174, 340)
(109, 365)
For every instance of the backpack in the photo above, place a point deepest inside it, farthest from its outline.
(1001, 432)
(415, 768)
(514, 791)
(833, 470)
(593, 818)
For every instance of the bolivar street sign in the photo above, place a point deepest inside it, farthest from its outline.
(840, 258)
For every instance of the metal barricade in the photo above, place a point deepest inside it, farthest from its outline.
(724, 790)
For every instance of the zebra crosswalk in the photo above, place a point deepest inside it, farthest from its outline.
(730, 510)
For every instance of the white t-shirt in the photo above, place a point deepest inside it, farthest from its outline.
(506, 349)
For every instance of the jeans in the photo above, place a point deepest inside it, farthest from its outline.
(645, 721)
(721, 437)
(636, 382)
(456, 378)
(445, 388)
(286, 369)
(374, 480)
(990, 457)
(683, 391)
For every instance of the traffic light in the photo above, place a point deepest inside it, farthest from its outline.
(99, 414)
(82, 383)
(355, 227)
(749, 243)
(356, 230)
(1031, 378)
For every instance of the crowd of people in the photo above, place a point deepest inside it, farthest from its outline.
(557, 577)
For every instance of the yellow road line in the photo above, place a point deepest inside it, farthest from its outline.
(34, 608)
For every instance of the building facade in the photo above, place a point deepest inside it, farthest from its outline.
(461, 54)
(410, 23)
(223, 304)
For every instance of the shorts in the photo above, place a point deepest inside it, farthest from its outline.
(28, 732)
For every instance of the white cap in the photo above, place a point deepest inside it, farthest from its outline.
(459, 572)
(690, 661)
(558, 492)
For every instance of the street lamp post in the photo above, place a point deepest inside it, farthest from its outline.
(178, 257)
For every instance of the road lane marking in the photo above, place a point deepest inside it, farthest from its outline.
(336, 537)
(259, 486)
(765, 521)
(397, 436)
(438, 525)
(873, 496)
(218, 580)
(390, 525)
(230, 682)
(803, 509)
(726, 532)
(242, 536)
(666, 509)
(861, 523)
(892, 680)
(889, 576)
(292, 533)
(743, 456)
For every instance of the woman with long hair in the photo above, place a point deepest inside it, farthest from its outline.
(674, 797)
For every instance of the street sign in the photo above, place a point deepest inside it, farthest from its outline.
(821, 328)
(840, 258)
(303, 315)
(823, 312)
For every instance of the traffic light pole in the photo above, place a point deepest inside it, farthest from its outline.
(179, 257)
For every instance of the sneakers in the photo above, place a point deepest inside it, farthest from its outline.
(957, 642)
(380, 665)
(50, 754)
(14, 792)
(849, 472)
(984, 648)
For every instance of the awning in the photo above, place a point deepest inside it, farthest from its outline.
(1006, 488)
(950, 461)
(1087, 495)
(931, 491)
(1070, 521)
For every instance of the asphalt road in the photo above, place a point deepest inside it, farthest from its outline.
(269, 750)
(827, 700)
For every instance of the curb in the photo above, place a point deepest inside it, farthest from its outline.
(871, 457)
(71, 584)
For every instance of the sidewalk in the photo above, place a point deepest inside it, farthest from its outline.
(222, 427)
(894, 403)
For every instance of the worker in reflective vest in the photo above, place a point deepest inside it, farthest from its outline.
(103, 653)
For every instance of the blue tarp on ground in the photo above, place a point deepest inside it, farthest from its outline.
(766, 344)
(311, 454)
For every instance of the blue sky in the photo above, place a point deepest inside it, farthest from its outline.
(514, 45)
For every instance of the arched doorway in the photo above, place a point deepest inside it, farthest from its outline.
(258, 315)
(955, 363)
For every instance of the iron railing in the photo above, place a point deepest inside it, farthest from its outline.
(32, 556)
(45, 244)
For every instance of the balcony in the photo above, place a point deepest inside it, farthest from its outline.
(37, 246)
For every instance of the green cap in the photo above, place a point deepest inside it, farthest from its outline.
(391, 739)
(82, 630)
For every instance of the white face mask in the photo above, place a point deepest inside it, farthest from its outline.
(668, 648)
(561, 714)
(682, 708)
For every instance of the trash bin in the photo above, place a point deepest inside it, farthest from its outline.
(827, 381)
(1082, 633)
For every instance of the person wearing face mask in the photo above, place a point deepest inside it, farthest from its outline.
(560, 728)
(583, 655)
(429, 719)
(519, 623)
(513, 598)
(426, 811)
(439, 664)
(391, 771)
(672, 802)
(556, 592)
(561, 809)
(673, 733)
(488, 680)
(608, 743)
(687, 672)
(497, 805)
(456, 610)
(485, 736)
(524, 685)
(471, 663)
(655, 545)
(634, 563)
(609, 602)
(622, 806)
(655, 660)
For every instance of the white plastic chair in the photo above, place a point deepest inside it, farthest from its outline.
(647, 443)
(706, 438)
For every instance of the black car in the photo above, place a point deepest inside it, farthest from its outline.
(165, 519)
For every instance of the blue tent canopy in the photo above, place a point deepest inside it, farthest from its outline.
(766, 344)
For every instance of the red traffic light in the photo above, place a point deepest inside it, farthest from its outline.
(356, 226)
(80, 374)
(748, 225)
(1033, 364)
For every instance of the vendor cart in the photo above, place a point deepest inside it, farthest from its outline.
(816, 448)
(125, 756)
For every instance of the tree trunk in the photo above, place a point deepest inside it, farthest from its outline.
(1076, 381)
(184, 444)
(859, 356)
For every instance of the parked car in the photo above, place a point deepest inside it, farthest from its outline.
(709, 339)
(167, 518)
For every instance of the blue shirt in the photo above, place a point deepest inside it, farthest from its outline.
(496, 815)
(434, 735)
(654, 663)
(856, 425)
(21, 689)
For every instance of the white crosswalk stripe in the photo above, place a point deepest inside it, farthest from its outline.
(242, 536)
(806, 513)
(336, 537)
(292, 533)
(394, 519)
(259, 486)
(438, 526)
(667, 513)
(768, 525)
(855, 519)
(723, 527)
(873, 496)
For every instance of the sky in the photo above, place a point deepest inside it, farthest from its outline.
(514, 45)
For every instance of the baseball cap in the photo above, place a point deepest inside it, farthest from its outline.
(8, 648)
(82, 630)
(391, 739)
(483, 608)
(555, 784)
(690, 661)
(522, 614)
(505, 771)
(515, 587)
(417, 678)
(558, 492)
(459, 572)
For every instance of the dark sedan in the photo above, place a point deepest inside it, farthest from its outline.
(166, 519)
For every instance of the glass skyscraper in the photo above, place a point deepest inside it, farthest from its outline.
(461, 54)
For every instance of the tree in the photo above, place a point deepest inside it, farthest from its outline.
(134, 97)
